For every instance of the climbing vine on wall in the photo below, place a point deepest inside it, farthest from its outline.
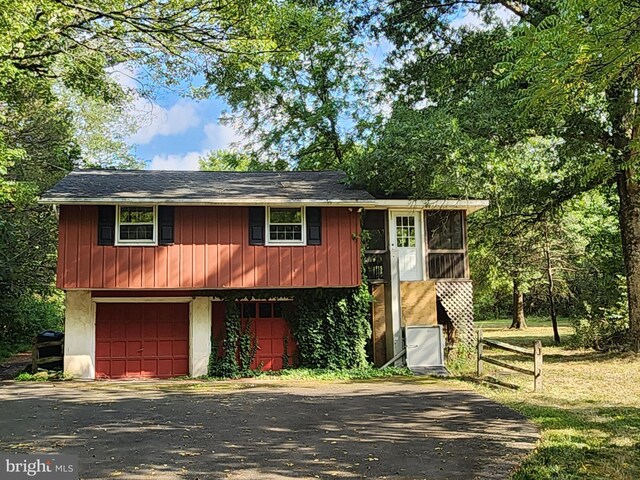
(227, 365)
(330, 326)
(247, 347)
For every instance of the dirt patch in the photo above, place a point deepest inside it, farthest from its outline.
(266, 430)
(11, 367)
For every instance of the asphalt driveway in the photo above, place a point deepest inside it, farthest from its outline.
(265, 429)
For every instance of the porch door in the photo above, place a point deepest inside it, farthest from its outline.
(406, 238)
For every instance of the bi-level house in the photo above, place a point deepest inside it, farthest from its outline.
(143, 256)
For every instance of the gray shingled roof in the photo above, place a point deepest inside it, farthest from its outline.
(157, 186)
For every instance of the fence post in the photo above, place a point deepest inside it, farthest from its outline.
(34, 355)
(480, 351)
(537, 366)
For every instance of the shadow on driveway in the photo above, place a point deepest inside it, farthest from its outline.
(266, 430)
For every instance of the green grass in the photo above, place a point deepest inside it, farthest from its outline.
(532, 322)
(588, 411)
(44, 376)
(325, 374)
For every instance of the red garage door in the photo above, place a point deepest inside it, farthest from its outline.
(142, 340)
(271, 333)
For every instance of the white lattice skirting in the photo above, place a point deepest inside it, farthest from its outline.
(457, 300)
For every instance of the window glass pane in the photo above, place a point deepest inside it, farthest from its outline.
(285, 215)
(248, 310)
(444, 229)
(136, 214)
(277, 310)
(264, 310)
(405, 232)
(285, 232)
(136, 232)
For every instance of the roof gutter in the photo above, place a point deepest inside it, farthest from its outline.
(431, 204)
(203, 202)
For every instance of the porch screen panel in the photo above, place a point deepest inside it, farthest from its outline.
(447, 253)
(374, 224)
(445, 230)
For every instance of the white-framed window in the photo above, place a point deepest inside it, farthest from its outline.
(286, 226)
(136, 225)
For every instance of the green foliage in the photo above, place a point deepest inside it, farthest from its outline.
(286, 359)
(228, 366)
(228, 160)
(36, 149)
(578, 57)
(42, 376)
(247, 347)
(23, 317)
(605, 329)
(461, 359)
(298, 107)
(595, 271)
(364, 373)
(174, 39)
(331, 327)
(585, 253)
(102, 130)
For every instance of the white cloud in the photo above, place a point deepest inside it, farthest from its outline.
(125, 76)
(219, 136)
(158, 121)
(188, 161)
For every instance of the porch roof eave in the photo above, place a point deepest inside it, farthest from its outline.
(470, 205)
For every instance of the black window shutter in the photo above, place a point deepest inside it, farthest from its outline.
(165, 225)
(314, 225)
(256, 225)
(106, 224)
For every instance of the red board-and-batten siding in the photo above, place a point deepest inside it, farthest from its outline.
(211, 251)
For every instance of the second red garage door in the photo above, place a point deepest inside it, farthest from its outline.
(271, 334)
(135, 340)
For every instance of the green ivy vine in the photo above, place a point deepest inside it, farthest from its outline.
(330, 327)
(227, 365)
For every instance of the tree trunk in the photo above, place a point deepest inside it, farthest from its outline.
(625, 138)
(519, 321)
(629, 191)
(552, 301)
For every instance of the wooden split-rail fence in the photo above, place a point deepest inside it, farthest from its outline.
(535, 353)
